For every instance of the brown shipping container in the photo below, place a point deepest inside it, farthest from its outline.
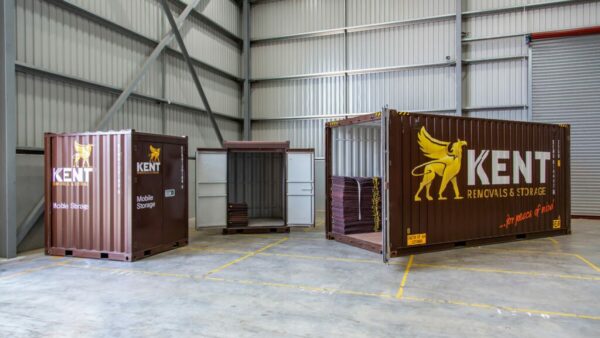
(118, 195)
(453, 181)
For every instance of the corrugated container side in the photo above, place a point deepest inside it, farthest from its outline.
(503, 178)
(84, 171)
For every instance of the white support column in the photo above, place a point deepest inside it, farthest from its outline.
(246, 109)
(458, 52)
(8, 137)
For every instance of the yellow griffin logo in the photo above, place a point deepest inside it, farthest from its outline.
(154, 154)
(82, 153)
(445, 163)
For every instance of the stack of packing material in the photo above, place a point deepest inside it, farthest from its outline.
(237, 214)
(355, 204)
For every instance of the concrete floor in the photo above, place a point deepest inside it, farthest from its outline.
(301, 285)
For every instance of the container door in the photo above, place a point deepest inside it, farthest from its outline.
(300, 188)
(148, 183)
(175, 194)
(211, 188)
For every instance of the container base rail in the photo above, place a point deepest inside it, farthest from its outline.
(117, 256)
(256, 230)
(366, 242)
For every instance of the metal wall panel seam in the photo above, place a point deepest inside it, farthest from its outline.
(180, 5)
(356, 71)
(28, 69)
(447, 110)
(385, 69)
(136, 36)
(376, 26)
(354, 29)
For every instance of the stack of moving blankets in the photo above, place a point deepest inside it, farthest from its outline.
(237, 214)
(355, 204)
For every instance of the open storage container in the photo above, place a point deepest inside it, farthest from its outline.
(119, 195)
(452, 181)
(275, 182)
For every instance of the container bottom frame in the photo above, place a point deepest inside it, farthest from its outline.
(116, 256)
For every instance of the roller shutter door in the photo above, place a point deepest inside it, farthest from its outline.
(566, 89)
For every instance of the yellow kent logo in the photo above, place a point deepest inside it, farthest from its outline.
(154, 154)
(446, 161)
(82, 154)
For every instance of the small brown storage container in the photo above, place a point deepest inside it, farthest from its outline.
(451, 181)
(119, 195)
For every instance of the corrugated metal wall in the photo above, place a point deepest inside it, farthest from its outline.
(566, 84)
(494, 50)
(74, 56)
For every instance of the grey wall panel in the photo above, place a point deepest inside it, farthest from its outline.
(362, 12)
(54, 39)
(430, 42)
(138, 15)
(417, 89)
(356, 150)
(566, 82)
(300, 133)
(197, 127)
(322, 54)
(322, 96)
(45, 105)
(535, 20)
(298, 16)
(512, 46)
(495, 84)
(512, 114)
(224, 12)
(224, 95)
(207, 45)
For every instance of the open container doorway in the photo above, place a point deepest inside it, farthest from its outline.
(251, 186)
(356, 156)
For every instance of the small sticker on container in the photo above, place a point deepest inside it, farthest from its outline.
(556, 223)
(170, 193)
(416, 239)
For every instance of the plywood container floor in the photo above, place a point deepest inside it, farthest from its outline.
(300, 284)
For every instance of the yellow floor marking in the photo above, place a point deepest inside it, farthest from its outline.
(322, 258)
(506, 308)
(216, 250)
(510, 272)
(400, 292)
(337, 291)
(254, 253)
(300, 287)
(28, 271)
(583, 259)
(555, 242)
(120, 270)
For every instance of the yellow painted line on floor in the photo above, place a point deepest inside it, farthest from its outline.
(501, 307)
(510, 272)
(590, 264)
(132, 271)
(217, 250)
(31, 270)
(400, 292)
(300, 287)
(254, 253)
(555, 242)
(322, 258)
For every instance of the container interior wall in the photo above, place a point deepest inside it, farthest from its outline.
(356, 150)
(257, 178)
